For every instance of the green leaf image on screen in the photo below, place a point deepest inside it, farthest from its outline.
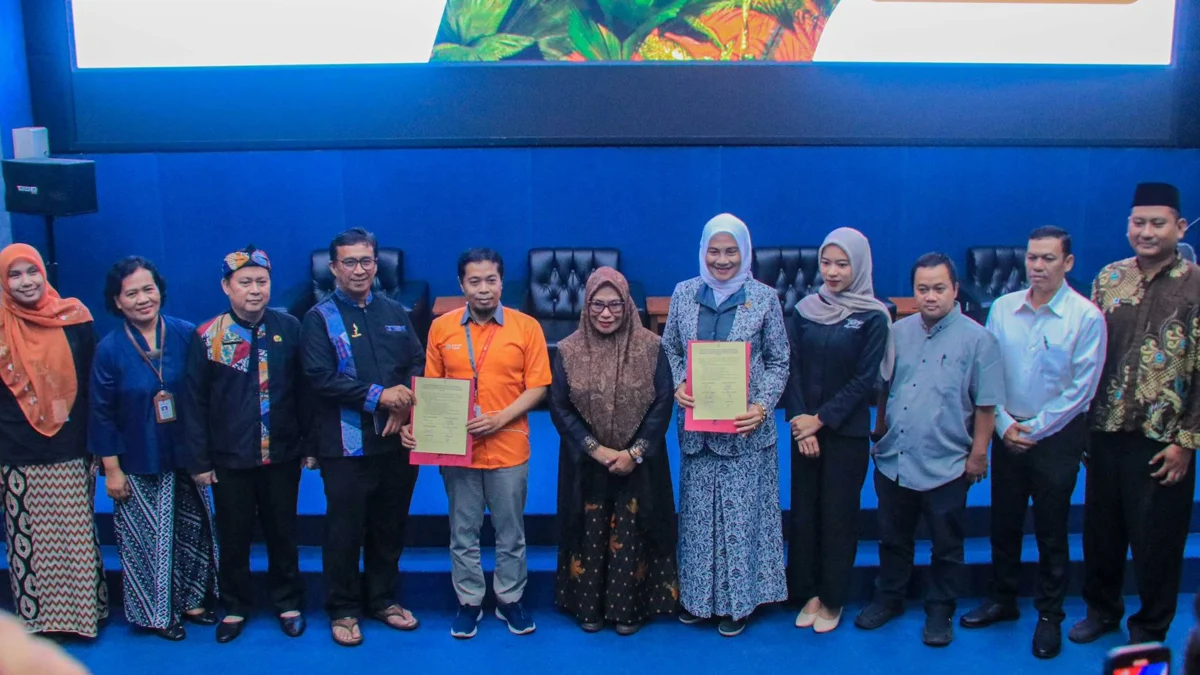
(631, 30)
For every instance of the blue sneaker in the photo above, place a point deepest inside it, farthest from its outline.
(466, 622)
(518, 620)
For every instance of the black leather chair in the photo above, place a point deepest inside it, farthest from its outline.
(413, 295)
(794, 272)
(553, 290)
(991, 272)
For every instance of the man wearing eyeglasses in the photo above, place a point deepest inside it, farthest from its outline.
(359, 353)
(504, 352)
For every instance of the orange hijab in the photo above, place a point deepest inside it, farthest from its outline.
(36, 363)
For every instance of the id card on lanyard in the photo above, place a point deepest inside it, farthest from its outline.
(164, 401)
(477, 365)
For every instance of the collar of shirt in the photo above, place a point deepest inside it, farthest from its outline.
(1055, 305)
(246, 324)
(705, 296)
(942, 323)
(341, 295)
(1169, 270)
(498, 317)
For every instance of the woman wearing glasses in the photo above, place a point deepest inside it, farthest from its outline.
(164, 526)
(611, 402)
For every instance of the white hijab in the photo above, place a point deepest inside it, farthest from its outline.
(826, 307)
(728, 224)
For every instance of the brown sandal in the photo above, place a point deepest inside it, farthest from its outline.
(349, 625)
(407, 620)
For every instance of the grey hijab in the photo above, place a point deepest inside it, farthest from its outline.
(827, 307)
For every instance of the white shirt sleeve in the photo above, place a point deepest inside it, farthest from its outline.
(1087, 363)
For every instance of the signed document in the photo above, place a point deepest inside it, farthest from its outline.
(718, 377)
(439, 421)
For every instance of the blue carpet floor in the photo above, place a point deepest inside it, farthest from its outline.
(770, 644)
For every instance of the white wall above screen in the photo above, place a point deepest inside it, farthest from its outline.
(173, 33)
(166, 33)
(995, 31)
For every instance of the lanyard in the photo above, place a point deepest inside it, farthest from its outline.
(162, 349)
(476, 367)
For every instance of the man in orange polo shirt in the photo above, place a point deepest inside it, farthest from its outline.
(504, 352)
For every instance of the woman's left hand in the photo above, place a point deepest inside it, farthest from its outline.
(804, 426)
(623, 465)
(751, 421)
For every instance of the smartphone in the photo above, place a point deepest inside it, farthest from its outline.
(1153, 658)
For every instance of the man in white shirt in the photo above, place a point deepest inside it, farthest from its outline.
(1053, 341)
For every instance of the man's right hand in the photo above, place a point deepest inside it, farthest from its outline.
(1013, 439)
(683, 398)
(205, 479)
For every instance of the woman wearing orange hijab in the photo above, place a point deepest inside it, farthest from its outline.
(47, 483)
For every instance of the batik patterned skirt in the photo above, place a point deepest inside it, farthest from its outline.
(615, 574)
(730, 533)
(55, 570)
(168, 547)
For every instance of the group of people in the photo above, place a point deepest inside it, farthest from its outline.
(243, 401)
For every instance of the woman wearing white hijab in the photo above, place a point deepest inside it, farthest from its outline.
(841, 346)
(730, 530)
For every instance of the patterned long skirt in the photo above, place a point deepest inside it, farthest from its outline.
(168, 547)
(730, 533)
(55, 569)
(614, 574)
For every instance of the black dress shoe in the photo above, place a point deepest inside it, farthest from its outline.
(174, 632)
(989, 613)
(293, 626)
(875, 615)
(228, 631)
(1047, 638)
(1090, 629)
(591, 626)
(205, 618)
(939, 631)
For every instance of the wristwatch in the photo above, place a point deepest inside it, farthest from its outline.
(637, 451)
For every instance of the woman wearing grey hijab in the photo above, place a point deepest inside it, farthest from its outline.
(841, 349)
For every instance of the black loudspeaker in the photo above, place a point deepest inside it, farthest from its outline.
(50, 187)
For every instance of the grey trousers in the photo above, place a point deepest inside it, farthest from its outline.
(502, 492)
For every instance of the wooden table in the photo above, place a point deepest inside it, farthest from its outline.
(447, 304)
(657, 309)
(905, 306)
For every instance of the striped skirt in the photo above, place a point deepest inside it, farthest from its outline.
(55, 570)
(168, 548)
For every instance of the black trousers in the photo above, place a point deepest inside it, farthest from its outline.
(1047, 473)
(367, 500)
(900, 508)
(267, 496)
(823, 531)
(1125, 509)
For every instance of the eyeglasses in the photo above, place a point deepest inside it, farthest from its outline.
(349, 264)
(615, 306)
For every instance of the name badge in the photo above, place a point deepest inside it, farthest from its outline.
(164, 407)
(396, 329)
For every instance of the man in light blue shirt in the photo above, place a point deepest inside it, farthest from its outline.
(1053, 341)
(939, 414)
